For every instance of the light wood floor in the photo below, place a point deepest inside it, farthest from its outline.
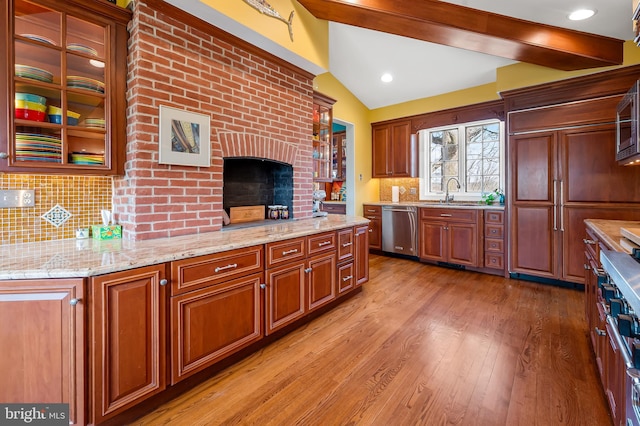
(421, 345)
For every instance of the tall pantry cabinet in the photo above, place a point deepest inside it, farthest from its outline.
(562, 170)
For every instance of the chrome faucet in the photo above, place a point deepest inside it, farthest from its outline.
(448, 198)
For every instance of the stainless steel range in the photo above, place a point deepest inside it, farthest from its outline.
(620, 289)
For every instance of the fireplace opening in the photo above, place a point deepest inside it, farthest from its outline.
(257, 182)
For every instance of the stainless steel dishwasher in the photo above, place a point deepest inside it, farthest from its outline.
(400, 230)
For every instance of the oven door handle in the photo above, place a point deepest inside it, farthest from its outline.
(628, 362)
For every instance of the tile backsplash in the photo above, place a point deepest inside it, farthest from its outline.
(82, 196)
(407, 186)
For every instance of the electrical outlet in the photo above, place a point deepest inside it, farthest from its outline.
(413, 191)
(17, 198)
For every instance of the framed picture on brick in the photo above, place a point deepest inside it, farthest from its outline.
(184, 138)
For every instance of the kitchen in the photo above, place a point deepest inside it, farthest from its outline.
(146, 206)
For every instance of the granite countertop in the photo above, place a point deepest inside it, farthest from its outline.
(436, 204)
(73, 258)
(609, 231)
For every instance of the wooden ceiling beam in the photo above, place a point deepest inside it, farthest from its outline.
(465, 28)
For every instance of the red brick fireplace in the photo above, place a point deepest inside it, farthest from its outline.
(259, 106)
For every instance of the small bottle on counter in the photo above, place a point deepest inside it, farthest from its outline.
(284, 213)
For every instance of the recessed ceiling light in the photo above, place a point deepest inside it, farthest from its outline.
(386, 78)
(579, 15)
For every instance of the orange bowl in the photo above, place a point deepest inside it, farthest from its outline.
(30, 114)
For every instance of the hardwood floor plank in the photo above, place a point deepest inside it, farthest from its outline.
(421, 345)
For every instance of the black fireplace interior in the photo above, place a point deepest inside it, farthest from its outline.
(257, 181)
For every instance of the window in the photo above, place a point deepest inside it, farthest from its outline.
(471, 154)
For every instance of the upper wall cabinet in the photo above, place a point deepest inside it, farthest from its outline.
(394, 150)
(322, 137)
(63, 84)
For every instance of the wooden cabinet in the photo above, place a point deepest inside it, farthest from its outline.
(374, 214)
(127, 323)
(494, 239)
(334, 208)
(216, 308)
(322, 137)
(43, 335)
(559, 179)
(69, 61)
(300, 277)
(450, 235)
(394, 150)
(339, 156)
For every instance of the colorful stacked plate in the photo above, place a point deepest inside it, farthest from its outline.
(77, 47)
(34, 73)
(97, 123)
(37, 147)
(78, 82)
(87, 158)
(41, 39)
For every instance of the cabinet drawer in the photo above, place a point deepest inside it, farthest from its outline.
(493, 245)
(282, 252)
(494, 260)
(494, 216)
(369, 210)
(458, 215)
(198, 272)
(334, 208)
(493, 231)
(321, 242)
(346, 279)
(345, 245)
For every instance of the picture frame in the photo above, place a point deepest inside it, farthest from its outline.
(184, 138)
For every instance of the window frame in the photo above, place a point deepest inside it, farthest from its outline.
(424, 167)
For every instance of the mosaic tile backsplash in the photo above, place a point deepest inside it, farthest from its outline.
(407, 186)
(81, 196)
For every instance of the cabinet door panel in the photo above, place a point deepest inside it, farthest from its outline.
(285, 295)
(321, 281)
(375, 234)
(432, 240)
(402, 149)
(533, 167)
(49, 369)
(346, 278)
(590, 169)
(214, 322)
(380, 152)
(463, 243)
(361, 261)
(533, 244)
(129, 344)
(345, 245)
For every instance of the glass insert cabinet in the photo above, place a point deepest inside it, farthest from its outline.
(64, 85)
(322, 137)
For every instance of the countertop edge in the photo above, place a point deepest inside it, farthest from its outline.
(430, 205)
(609, 231)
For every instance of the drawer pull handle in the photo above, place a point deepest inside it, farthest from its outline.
(324, 243)
(445, 215)
(348, 244)
(600, 332)
(284, 253)
(586, 241)
(370, 230)
(223, 268)
(347, 278)
(493, 231)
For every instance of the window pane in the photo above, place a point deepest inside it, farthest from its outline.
(491, 149)
(436, 185)
(451, 169)
(474, 184)
(491, 183)
(474, 167)
(490, 166)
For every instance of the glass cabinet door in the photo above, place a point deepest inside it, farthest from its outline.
(61, 90)
(322, 142)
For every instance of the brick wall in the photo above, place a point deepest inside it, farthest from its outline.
(258, 109)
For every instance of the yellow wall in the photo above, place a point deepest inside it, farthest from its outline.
(310, 35)
(348, 108)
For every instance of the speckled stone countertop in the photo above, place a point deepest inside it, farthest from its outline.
(609, 231)
(73, 258)
(433, 204)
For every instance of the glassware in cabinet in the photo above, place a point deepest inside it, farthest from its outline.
(322, 139)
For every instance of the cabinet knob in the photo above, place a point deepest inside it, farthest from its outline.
(164, 281)
(4, 155)
(586, 266)
(74, 302)
(308, 270)
(370, 230)
(263, 286)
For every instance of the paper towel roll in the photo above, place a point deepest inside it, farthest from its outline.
(395, 194)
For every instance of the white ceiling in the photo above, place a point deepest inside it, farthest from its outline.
(358, 57)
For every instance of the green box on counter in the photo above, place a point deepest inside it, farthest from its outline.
(106, 232)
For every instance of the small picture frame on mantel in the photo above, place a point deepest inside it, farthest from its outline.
(184, 138)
